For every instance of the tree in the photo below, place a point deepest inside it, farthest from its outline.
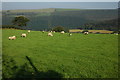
(58, 29)
(20, 21)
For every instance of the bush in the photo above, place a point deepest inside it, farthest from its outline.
(11, 27)
(115, 32)
(97, 32)
(58, 29)
(8, 26)
(85, 31)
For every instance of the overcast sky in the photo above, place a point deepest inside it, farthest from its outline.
(73, 5)
(60, 0)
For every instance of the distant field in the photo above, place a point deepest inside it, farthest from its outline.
(100, 31)
(40, 10)
(93, 31)
(60, 9)
(75, 30)
(31, 10)
(60, 56)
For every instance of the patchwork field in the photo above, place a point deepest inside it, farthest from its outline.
(92, 31)
(60, 56)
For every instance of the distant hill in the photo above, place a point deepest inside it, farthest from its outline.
(43, 19)
(29, 10)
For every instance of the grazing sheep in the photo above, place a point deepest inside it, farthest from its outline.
(50, 34)
(53, 31)
(43, 31)
(62, 32)
(23, 35)
(86, 33)
(50, 31)
(12, 38)
(28, 31)
(116, 33)
(70, 34)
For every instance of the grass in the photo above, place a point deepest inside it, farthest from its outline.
(61, 56)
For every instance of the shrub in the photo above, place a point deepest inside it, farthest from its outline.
(85, 31)
(58, 29)
(11, 26)
(97, 32)
(115, 32)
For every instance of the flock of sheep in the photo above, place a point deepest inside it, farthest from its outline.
(49, 34)
(22, 35)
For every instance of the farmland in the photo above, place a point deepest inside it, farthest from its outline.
(41, 19)
(60, 56)
(91, 31)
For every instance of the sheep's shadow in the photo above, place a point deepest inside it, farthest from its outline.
(29, 71)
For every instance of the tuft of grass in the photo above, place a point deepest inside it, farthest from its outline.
(76, 56)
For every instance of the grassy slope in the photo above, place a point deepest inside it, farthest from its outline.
(87, 56)
(40, 10)
(62, 9)
(31, 10)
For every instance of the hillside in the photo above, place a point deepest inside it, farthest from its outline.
(70, 18)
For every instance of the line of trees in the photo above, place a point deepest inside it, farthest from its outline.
(106, 25)
(11, 27)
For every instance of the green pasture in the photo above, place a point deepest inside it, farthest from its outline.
(60, 56)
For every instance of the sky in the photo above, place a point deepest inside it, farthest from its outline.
(60, 0)
(70, 5)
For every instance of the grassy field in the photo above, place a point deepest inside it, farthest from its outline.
(60, 56)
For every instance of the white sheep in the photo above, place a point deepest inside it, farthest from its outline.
(53, 31)
(70, 34)
(43, 31)
(28, 31)
(62, 32)
(23, 35)
(50, 34)
(86, 33)
(12, 38)
(116, 33)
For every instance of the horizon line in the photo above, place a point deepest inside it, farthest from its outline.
(60, 8)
